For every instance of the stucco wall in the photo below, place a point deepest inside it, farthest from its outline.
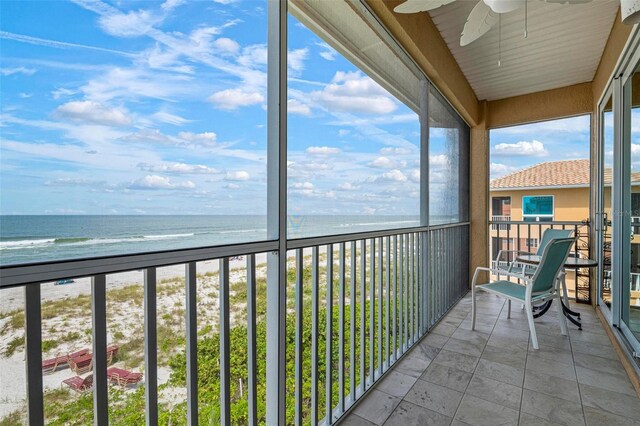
(569, 204)
(539, 106)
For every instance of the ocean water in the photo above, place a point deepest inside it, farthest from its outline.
(34, 239)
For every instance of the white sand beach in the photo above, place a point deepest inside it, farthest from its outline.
(12, 368)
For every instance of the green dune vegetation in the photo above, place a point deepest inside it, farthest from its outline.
(126, 407)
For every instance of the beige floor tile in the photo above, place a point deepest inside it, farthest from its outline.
(551, 408)
(476, 411)
(495, 391)
(449, 377)
(434, 397)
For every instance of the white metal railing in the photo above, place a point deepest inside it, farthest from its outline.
(497, 226)
(385, 289)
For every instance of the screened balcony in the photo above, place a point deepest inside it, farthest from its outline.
(341, 292)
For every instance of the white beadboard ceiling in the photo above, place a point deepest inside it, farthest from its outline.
(563, 47)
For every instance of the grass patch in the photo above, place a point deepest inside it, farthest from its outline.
(13, 345)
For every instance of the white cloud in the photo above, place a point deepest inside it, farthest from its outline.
(159, 182)
(310, 193)
(226, 45)
(327, 52)
(322, 150)
(438, 160)
(394, 150)
(232, 186)
(231, 99)
(355, 92)
(498, 169)
(521, 149)
(17, 70)
(296, 58)
(73, 182)
(131, 24)
(169, 118)
(253, 56)
(414, 175)
(58, 93)
(24, 95)
(383, 163)
(392, 176)
(348, 186)
(239, 175)
(130, 83)
(294, 106)
(172, 4)
(301, 185)
(204, 138)
(343, 132)
(94, 112)
(181, 168)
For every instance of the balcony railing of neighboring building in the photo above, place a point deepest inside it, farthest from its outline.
(525, 237)
(386, 290)
(497, 222)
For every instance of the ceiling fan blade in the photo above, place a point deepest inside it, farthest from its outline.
(480, 20)
(414, 6)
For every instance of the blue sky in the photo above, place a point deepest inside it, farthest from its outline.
(140, 107)
(513, 148)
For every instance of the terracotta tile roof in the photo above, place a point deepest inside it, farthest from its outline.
(552, 173)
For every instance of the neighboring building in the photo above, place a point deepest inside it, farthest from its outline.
(554, 191)
(551, 191)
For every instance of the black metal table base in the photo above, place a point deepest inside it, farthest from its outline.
(572, 316)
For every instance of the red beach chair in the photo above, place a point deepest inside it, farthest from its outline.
(79, 384)
(123, 378)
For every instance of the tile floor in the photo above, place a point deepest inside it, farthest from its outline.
(493, 376)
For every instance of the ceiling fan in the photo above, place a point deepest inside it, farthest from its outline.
(484, 15)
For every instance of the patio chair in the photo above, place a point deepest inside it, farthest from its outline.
(511, 265)
(81, 364)
(52, 364)
(123, 378)
(78, 353)
(527, 269)
(112, 353)
(542, 286)
(79, 384)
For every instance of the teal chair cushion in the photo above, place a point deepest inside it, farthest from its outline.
(507, 288)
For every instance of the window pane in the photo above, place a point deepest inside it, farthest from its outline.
(537, 205)
(448, 163)
(133, 127)
(353, 145)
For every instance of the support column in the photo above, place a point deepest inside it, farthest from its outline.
(479, 193)
(276, 209)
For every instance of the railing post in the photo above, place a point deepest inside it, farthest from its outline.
(99, 320)
(252, 378)
(225, 343)
(191, 320)
(150, 347)
(33, 353)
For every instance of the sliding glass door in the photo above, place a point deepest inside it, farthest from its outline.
(630, 207)
(618, 193)
(604, 217)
